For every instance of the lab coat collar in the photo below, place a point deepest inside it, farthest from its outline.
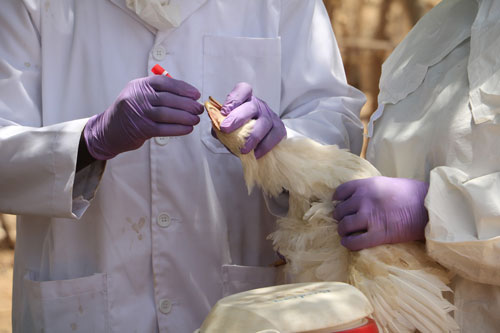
(159, 15)
(434, 37)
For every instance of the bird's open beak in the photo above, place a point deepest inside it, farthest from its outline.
(213, 109)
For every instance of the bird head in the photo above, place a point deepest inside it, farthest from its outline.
(235, 140)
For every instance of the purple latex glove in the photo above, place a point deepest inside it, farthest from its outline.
(241, 106)
(146, 107)
(380, 210)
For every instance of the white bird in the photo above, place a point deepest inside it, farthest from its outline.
(404, 285)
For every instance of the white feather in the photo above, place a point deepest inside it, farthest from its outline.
(403, 284)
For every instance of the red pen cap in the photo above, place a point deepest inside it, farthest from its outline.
(158, 70)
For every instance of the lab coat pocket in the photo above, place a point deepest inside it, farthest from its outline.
(75, 305)
(230, 60)
(236, 279)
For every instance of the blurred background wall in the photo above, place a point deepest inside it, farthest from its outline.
(366, 30)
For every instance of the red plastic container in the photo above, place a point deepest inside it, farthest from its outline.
(369, 327)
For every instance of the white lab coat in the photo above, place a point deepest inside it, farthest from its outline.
(438, 121)
(169, 228)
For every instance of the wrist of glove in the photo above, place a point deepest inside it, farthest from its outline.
(241, 106)
(380, 210)
(145, 108)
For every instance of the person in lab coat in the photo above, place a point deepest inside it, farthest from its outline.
(435, 138)
(131, 216)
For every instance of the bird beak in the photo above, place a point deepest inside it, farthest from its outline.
(213, 110)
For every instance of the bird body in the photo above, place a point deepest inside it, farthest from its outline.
(404, 285)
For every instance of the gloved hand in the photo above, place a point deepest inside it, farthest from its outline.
(241, 106)
(146, 107)
(380, 210)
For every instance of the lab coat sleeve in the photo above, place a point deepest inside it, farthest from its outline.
(463, 232)
(37, 162)
(316, 100)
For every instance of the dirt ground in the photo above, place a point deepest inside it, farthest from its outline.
(6, 265)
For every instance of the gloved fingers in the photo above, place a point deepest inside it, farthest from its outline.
(176, 102)
(161, 83)
(171, 129)
(239, 116)
(273, 137)
(346, 208)
(241, 93)
(346, 190)
(352, 224)
(161, 114)
(261, 128)
(357, 242)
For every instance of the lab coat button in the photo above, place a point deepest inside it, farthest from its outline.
(163, 220)
(165, 306)
(162, 140)
(159, 52)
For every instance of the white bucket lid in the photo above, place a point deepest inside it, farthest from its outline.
(300, 307)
